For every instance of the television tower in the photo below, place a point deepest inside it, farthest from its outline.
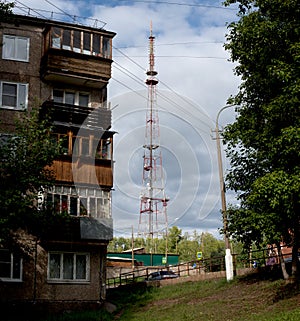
(153, 201)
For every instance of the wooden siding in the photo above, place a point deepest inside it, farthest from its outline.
(75, 68)
(83, 172)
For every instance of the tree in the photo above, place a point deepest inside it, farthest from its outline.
(263, 143)
(5, 10)
(174, 237)
(25, 159)
(211, 247)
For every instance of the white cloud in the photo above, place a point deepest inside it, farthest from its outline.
(196, 79)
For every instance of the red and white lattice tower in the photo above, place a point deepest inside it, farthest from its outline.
(153, 201)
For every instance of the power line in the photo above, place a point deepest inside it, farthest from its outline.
(51, 14)
(169, 100)
(181, 56)
(176, 44)
(133, 76)
(161, 95)
(181, 4)
(22, 9)
(67, 14)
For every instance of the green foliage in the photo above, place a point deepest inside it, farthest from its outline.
(5, 10)
(174, 237)
(186, 245)
(25, 159)
(263, 143)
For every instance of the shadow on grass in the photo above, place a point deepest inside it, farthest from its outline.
(135, 293)
(285, 289)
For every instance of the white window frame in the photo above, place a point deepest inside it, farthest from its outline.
(16, 48)
(102, 200)
(20, 105)
(11, 278)
(76, 95)
(61, 272)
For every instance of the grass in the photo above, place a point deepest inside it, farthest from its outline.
(249, 298)
(243, 299)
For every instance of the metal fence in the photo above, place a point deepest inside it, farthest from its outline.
(252, 259)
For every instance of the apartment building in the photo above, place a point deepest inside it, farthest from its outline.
(65, 69)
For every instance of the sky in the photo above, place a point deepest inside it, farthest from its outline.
(195, 80)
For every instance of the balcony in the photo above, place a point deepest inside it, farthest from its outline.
(75, 69)
(76, 116)
(77, 57)
(80, 229)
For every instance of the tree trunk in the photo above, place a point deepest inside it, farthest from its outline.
(282, 264)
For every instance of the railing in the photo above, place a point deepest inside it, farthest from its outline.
(253, 259)
(77, 115)
(184, 269)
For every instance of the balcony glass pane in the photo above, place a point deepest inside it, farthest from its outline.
(83, 206)
(76, 41)
(70, 98)
(66, 39)
(85, 147)
(56, 38)
(106, 47)
(96, 45)
(58, 96)
(92, 207)
(64, 203)
(83, 100)
(73, 206)
(86, 43)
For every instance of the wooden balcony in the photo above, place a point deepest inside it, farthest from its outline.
(83, 170)
(75, 68)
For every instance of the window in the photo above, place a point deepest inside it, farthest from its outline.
(10, 266)
(96, 45)
(15, 48)
(83, 100)
(69, 267)
(76, 41)
(81, 201)
(81, 41)
(103, 149)
(66, 39)
(86, 43)
(106, 47)
(56, 37)
(71, 97)
(14, 95)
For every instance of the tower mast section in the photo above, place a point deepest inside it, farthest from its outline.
(153, 201)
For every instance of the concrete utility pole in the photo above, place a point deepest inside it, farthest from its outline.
(228, 256)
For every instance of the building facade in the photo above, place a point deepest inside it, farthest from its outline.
(64, 69)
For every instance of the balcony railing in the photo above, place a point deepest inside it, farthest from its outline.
(77, 116)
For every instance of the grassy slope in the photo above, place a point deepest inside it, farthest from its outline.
(244, 299)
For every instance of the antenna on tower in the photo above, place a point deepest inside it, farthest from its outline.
(153, 201)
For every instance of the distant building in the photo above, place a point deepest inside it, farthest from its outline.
(66, 67)
(145, 259)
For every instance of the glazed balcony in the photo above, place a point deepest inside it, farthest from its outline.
(77, 57)
(87, 144)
